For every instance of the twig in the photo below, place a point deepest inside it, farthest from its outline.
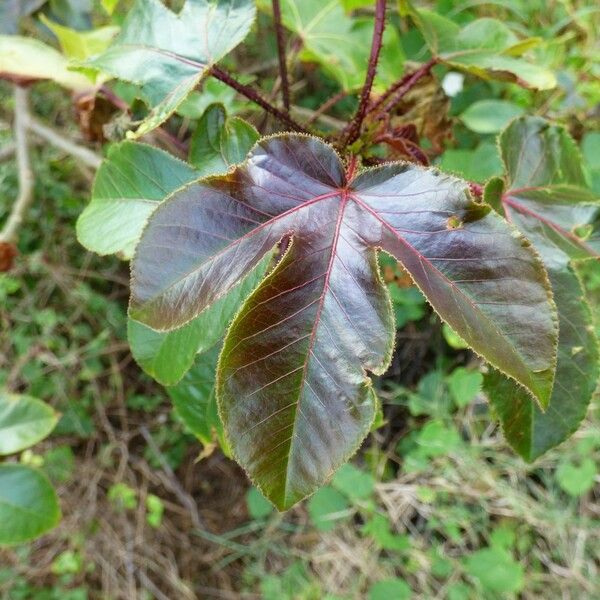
(307, 113)
(356, 123)
(176, 487)
(401, 87)
(285, 86)
(253, 95)
(25, 175)
(327, 105)
(86, 156)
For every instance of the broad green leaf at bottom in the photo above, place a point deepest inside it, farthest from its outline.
(28, 504)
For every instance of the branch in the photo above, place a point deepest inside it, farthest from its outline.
(361, 111)
(86, 156)
(253, 95)
(25, 175)
(285, 86)
(326, 106)
(401, 87)
(7, 151)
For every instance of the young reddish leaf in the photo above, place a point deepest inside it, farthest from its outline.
(293, 390)
(546, 197)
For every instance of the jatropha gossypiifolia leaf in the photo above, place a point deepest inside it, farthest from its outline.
(293, 387)
(545, 195)
(168, 54)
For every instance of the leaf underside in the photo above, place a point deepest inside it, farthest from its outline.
(547, 200)
(168, 54)
(293, 389)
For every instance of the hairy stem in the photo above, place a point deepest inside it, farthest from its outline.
(283, 75)
(401, 87)
(25, 175)
(253, 95)
(354, 127)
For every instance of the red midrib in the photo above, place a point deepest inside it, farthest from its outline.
(508, 199)
(457, 289)
(311, 342)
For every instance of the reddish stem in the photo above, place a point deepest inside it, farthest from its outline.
(400, 88)
(353, 132)
(253, 95)
(351, 168)
(285, 87)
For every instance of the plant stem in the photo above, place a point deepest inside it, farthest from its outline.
(25, 175)
(285, 86)
(80, 153)
(327, 105)
(253, 95)
(353, 132)
(401, 87)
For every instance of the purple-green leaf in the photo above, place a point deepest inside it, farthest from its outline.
(293, 386)
(546, 197)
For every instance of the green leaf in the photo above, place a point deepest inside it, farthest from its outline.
(485, 47)
(81, 44)
(475, 165)
(356, 484)
(26, 59)
(219, 142)
(28, 504)
(576, 480)
(495, 570)
(195, 402)
(326, 508)
(293, 390)
(590, 146)
(168, 54)
(436, 439)
(397, 589)
(258, 506)
(109, 5)
(340, 44)
(452, 338)
(167, 355)
(490, 116)
(546, 198)
(129, 185)
(464, 385)
(24, 421)
(378, 527)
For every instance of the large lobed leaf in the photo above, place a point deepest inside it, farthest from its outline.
(485, 47)
(293, 389)
(546, 198)
(167, 54)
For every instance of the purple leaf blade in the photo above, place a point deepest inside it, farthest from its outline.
(293, 387)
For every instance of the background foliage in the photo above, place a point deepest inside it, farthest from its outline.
(435, 504)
